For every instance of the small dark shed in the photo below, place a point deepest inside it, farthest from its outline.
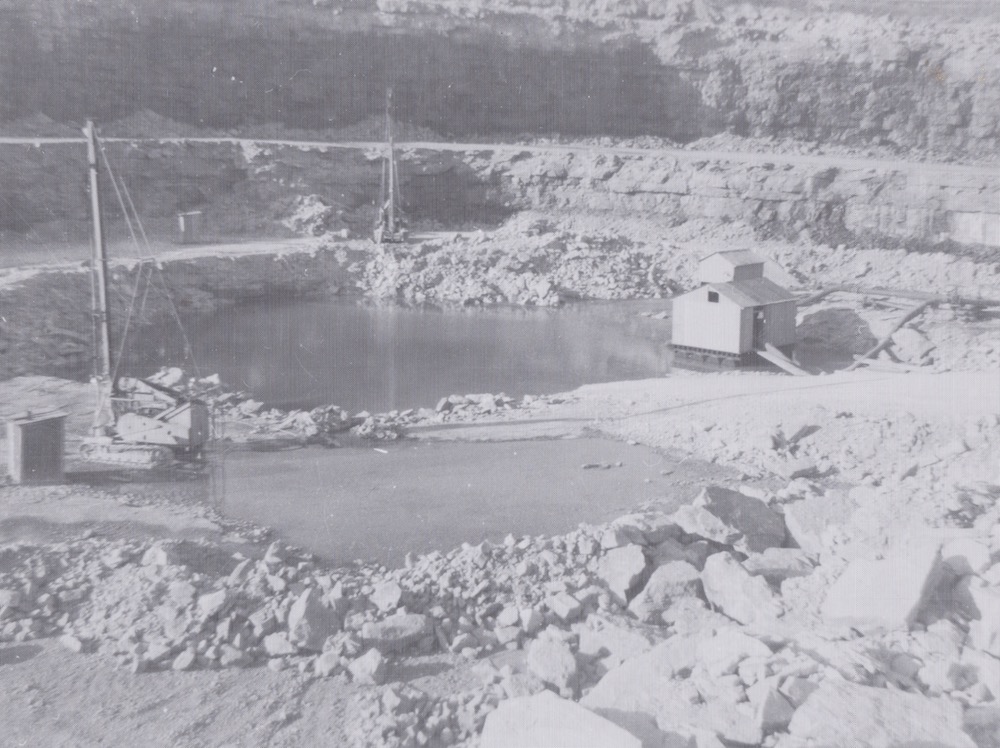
(189, 226)
(35, 444)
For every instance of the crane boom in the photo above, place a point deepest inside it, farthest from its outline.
(99, 265)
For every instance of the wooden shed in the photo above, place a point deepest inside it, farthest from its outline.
(736, 317)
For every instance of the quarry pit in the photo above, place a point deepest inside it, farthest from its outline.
(667, 558)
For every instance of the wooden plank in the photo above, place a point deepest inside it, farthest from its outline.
(884, 342)
(776, 357)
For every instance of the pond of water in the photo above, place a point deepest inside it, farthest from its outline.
(307, 353)
(416, 496)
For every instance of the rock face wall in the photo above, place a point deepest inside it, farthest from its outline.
(203, 70)
(854, 203)
(246, 189)
(495, 70)
(243, 189)
(681, 69)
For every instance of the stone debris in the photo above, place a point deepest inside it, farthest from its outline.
(888, 593)
(552, 661)
(842, 713)
(624, 570)
(397, 633)
(547, 720)
(322, 425)
(369, 668)
(611, 641)
(779, 564)
(564, 606)
(674, 580)
(387, 596)
(722, 653)
(731, 518)
(310, 622)
(730, 588)
(757, 649)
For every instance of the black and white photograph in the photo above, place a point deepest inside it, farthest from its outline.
(500, 373)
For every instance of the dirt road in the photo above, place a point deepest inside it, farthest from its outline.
(819, 161)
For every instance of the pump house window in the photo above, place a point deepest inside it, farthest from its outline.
(713, 297)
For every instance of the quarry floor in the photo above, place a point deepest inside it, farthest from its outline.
(883, 427)
(59, 698)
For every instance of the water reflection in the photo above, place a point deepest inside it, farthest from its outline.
(308, 353)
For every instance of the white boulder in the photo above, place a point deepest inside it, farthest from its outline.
(673, 580)
(655, 684)
(888, 594)
(624, 570)
(310, 622)
(722, 653)
(369, 668)
(397, 633)
(731, 589)
(547, 720)
(841, 713)
(552, 661)
(779, 564)
(386, 596)
(750, 524)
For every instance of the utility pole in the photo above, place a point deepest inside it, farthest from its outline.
(99, 265)
(392, 162)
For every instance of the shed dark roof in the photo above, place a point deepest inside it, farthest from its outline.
(737, 257)
(753, 292)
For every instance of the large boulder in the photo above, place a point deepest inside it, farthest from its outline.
(732, 518)
(809, 519)
(841, 713)
(779, 564)
(655, 684)
(623, 532)
(984, 609)
(564, 606)
(731, 589)
(982, 723)
(887, 594)
(613, 640)
(369, 669)
(277, 645)
(673, 550)
(547, 720)
(552, 661)
(624, 570)
(212, 604)
(310, 622)
(772, 709)
(397, 633)
(671, 581)
(699, 522)
(386, 596)
(722, 653)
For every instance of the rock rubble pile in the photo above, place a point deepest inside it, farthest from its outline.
(322, 424)
(547, 267)
(730, 621)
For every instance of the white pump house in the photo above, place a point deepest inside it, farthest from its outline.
(736, 317)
